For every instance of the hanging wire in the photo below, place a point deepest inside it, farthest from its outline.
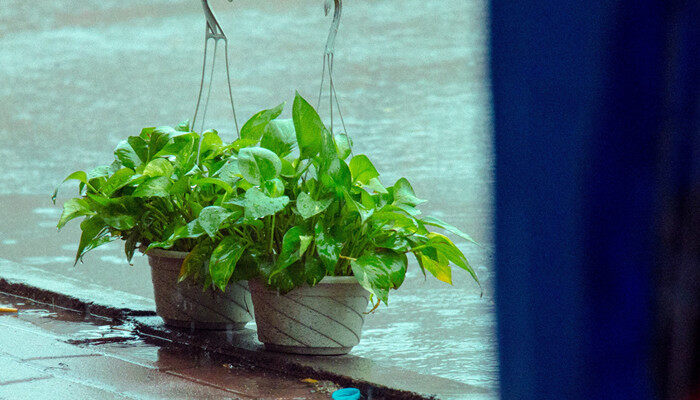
(328, 59)
(213, 31)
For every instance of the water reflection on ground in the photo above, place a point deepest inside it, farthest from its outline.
(412, 79)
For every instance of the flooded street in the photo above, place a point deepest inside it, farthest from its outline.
(412, 80)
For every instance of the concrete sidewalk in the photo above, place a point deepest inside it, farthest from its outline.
(59, 354)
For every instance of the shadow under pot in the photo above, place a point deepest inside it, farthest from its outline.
(325, 319)
(186, 305)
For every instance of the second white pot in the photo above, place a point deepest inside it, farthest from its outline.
(325, 319)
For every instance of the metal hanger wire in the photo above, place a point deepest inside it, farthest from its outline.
(213, 31)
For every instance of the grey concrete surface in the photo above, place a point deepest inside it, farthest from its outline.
(52, 353)
(412, 80)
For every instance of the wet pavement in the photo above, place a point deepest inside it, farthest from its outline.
(412, 80)
(49, 352)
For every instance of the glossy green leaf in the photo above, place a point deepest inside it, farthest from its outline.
(376, 186)
(94, 234)
(154, 187)
(274, 187)
(195, 264)
(294, 243)
(404, 194)
(140, 147)
(327, 247)
(210, 219)
(260, 205)
(73, 208)
(117, 181)
(308, 127)
(279, 136)
(447, 249)
(159, 167)
(362, 169)
(190, 231)
(126, 155)
(337, 176)
(223, 260)
(437, 264)
(372, 275)
(314, 271)
(396, 264)
(213, 181)
(343, 146)
(308, 207)
(444, 225)
(254, 128)
(229, 172)
(258, 164)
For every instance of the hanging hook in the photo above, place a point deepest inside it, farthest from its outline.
(330, 43)
(213, 31)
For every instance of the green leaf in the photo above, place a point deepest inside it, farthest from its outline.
(362, 169)
(223, 260)
(213, 181)
(130, 245)
(254, 128)
(210, 219)
(294, 244)
(444, 225)
(259, 205)
(308, 207)
(337, 176)
(314, 270)
(372, 275)
(154, 187)
(308, 127)
(279, 136)
(140, 147)
(211, 144)
(229, 172)
(117, 181)
(288, 170)
(343, 145)
(274, 187)
(399, 221)
(404, 194)
(376, 186)
(195, 264)
(396, 265)
(122, 222)
(258, 164)
(94, 234)
(327, 247)
(159, 167)
(73, 208)
(183, 126)
(437, 264)
(445, 248)
(190, 231)
(126, 155)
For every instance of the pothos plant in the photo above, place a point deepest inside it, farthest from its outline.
(159, 180)
(301, 208)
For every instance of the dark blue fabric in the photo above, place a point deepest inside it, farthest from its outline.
(582, 94)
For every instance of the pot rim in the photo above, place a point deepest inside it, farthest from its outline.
(167, 253)
(339, 280)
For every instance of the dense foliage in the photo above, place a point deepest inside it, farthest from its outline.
(154, 185)
(282, 204)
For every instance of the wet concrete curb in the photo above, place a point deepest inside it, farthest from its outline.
(375, 380)
(52, 288)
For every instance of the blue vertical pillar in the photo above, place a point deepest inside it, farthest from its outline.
(579, 92)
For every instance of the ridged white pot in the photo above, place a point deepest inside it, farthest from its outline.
(325, 319)
(186, 305)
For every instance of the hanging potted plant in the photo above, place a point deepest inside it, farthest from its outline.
(319, 236)
(160, 186)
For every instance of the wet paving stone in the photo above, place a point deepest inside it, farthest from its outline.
(37, 360)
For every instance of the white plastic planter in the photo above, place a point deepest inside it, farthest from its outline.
(186, 305)
(325, 319)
